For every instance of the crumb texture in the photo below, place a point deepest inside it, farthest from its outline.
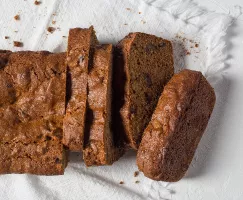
(147, 65)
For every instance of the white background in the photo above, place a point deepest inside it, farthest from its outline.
(219, 178)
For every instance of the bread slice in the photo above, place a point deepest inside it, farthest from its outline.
(144, 64)
(99, 148)
(177, 125)
(79, 53)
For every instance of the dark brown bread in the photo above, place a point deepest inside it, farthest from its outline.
(144, 64)
(32, 107)
(79, 53)
(100, 149)
(177, 125)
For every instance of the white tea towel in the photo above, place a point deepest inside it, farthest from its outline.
(198, 42)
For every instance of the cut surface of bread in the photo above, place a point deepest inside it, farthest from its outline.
(79, 55)
(99, 148)
(177, 125)
(143, 65)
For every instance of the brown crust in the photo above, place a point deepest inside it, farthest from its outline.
(100, 149)
(80, 45)
(180, 118)
(126, 46)
(32, 106)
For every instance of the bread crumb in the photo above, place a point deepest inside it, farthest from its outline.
(196, 45)
(136, 173)
(16, 31)
(6, 37)
(37, 2)
(125, 24)
(128, 8)
(139, 13)
(53, 22)
(121, 182)
(17, 17)
(64, 36)
(51, 29)
(137, 181)
(18, 44)
(143, 21)
(188, 53)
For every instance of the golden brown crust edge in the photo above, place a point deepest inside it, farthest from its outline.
(177, 125)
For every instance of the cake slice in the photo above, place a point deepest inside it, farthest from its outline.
(79, 53)
(143, 65)
(172, 136)
(99, 148)
(32, 107)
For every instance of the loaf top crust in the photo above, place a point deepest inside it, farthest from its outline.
(32, 105)
(179, 120)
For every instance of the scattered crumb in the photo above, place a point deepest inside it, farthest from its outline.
(58, 28)
(16, 31)
(139, 13)
(137, 181)
(37, 2)
(188, 53)
(53, 22)
(17, 17)
(51, 29)
(143, 21)
(54, 14)
(121, 182)
(18, 44)
(136, 173)
(64, 36)
(6, 37)
(128, 8)
(125, 24)
(196, 45)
